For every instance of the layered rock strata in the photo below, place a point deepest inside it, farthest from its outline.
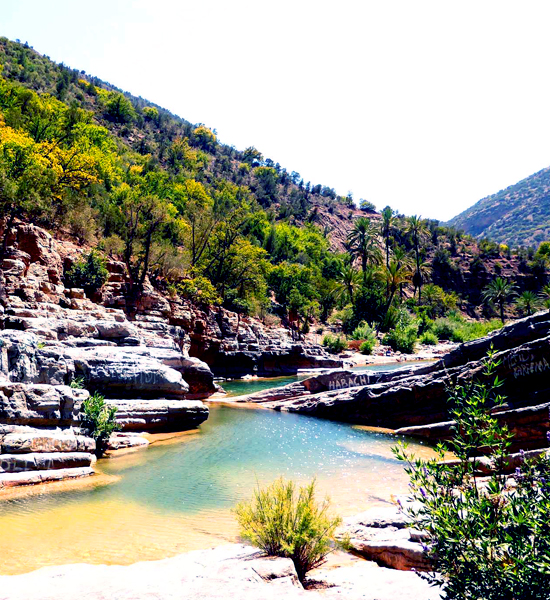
(29, 455)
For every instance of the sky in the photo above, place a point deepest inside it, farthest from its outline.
(427, 106)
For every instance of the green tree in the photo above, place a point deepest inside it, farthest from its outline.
(417, 230)
(363, 243)
(119, 109)
(527, 302)
(499, 292)
(386, 226)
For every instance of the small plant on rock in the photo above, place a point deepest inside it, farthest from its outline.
(100, 420)
(284, 522)
(487, 540)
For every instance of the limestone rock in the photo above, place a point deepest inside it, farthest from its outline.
(9, 480)
(40, 461)
(118, 372)
(40, 404)
(159, 415)
(232, 571)
(45, 441)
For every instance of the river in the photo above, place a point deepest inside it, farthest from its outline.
(177, 495)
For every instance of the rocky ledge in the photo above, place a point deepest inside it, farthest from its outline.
(233, 571)
(412, 400)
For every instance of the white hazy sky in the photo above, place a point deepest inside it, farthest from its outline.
(424, 105)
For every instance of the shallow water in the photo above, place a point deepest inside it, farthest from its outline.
(177, 495)
(241, 387)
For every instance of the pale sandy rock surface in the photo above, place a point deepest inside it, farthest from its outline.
(233, 571)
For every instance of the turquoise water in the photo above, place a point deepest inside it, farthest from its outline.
(177, 495)
(241, 387)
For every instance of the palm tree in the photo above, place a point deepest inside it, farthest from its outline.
(499, 292)
(385, 229)
(527, 301)
(349, 280)
(416, 228)
(396, 273)
(544, 295)
(363, 244)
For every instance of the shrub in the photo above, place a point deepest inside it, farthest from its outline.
(428, 338)
(90, 274)
(457, 329)
(488, 541)
(284, 523)
(362, 332)
(200, 290)
(367, 346)
(334, 344)
(402, 339)
(100, 420)
(403, 336)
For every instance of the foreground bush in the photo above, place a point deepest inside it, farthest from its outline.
(486, 541)
(100, 420)
(285, 523)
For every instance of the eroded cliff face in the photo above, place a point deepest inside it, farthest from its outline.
(38, 302)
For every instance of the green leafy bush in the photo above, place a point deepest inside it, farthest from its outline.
(90, 274)
(284, 523)
(487, 541)
(100, 420)
(198, 289)
(402, 337)
(362, 332)
(334, 344)
(428, 338)
(367, 346)
(457, 329)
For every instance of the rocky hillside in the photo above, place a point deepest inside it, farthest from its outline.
(518, 215)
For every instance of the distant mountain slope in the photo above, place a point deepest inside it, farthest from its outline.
(518, 215)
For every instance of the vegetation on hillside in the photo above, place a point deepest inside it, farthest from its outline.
(206, 222)
(518, 215)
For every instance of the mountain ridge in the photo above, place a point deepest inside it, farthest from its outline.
(518, 215)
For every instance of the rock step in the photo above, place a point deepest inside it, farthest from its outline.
(20, 443)
(401, 554)
(159, 415)
(44, 461)
(9, 480)
(529, 426)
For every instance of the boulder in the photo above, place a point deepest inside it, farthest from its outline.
(196, 373)
(381, 535)
(119, 372)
